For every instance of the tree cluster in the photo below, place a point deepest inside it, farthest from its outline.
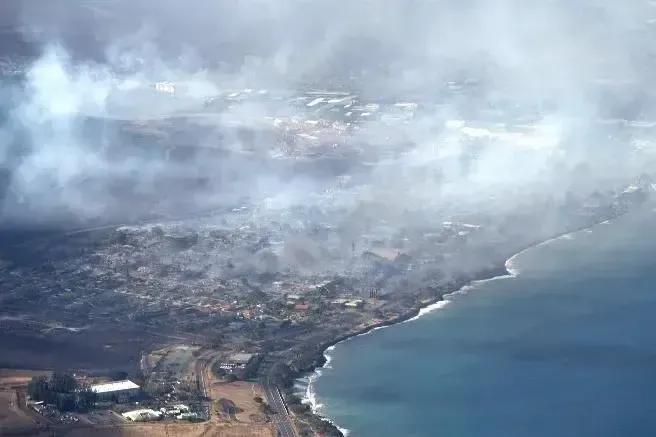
(62, 391)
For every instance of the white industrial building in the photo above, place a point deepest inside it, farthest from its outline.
(143, 415)
(119, 391)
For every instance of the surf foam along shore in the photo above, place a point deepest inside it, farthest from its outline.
(512, 271)
(510, 266)
(310, 394)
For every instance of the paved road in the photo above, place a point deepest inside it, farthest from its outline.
(202, 366)
(283, 421)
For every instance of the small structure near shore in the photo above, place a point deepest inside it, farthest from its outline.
(239, 364)
(239, 360)
(356, 303)
(143, 415)
(349, 303)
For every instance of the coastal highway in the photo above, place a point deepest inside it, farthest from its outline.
(201, 367)
(283, 421)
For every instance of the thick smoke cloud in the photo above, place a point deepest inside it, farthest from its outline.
(518, 101)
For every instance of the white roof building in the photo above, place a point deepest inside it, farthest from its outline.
(144, 415)
(240, 358)
(115, 386)
(357, 303)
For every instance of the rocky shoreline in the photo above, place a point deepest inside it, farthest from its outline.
(326, 426)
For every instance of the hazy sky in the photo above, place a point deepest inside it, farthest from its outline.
(549, 72)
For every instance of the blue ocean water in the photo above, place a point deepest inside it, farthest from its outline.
(566, 348)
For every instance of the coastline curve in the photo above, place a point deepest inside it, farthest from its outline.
(511, 271)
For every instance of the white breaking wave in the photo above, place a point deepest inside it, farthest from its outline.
(311, 395)
(328, 358)
(510, 266)
(429, 309)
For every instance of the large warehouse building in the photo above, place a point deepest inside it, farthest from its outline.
(118, 391)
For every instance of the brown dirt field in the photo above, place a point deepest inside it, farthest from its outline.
(12, 418)
(242, 393)
(18, 378)
(176, 430)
